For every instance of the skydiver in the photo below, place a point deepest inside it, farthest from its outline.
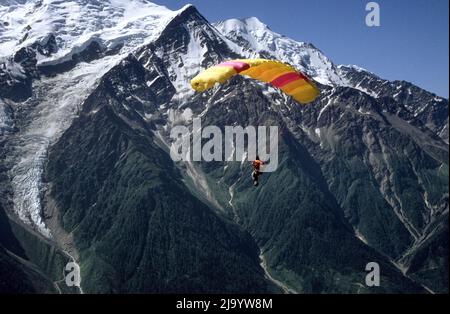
(256, 164)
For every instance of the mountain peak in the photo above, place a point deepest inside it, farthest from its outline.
(187, 9)
(243, 25)
(254, 23)
(186, 12)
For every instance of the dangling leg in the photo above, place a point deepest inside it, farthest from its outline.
(255, 176)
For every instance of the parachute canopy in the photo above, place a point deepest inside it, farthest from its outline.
(279, 74)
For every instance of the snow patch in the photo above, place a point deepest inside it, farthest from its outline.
(361, 110)
(6, 122)
(187, 114)
(324, 108)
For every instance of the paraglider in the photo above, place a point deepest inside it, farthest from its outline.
(276, 73)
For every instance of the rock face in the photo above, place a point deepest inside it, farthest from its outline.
(85, 128)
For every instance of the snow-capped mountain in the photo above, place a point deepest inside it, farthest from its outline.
(251, 34)
(89, 91)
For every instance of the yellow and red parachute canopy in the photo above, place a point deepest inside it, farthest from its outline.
(279, 74)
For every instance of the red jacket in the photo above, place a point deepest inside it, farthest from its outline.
(257, 164)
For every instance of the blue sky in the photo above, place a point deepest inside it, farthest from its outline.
(411, 43)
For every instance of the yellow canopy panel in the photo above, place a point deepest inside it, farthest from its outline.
(278, 74)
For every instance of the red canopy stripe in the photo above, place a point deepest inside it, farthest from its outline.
(287, 78)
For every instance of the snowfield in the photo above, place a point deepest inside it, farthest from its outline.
(77, 23)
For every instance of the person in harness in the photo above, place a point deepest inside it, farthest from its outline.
(256, 164)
